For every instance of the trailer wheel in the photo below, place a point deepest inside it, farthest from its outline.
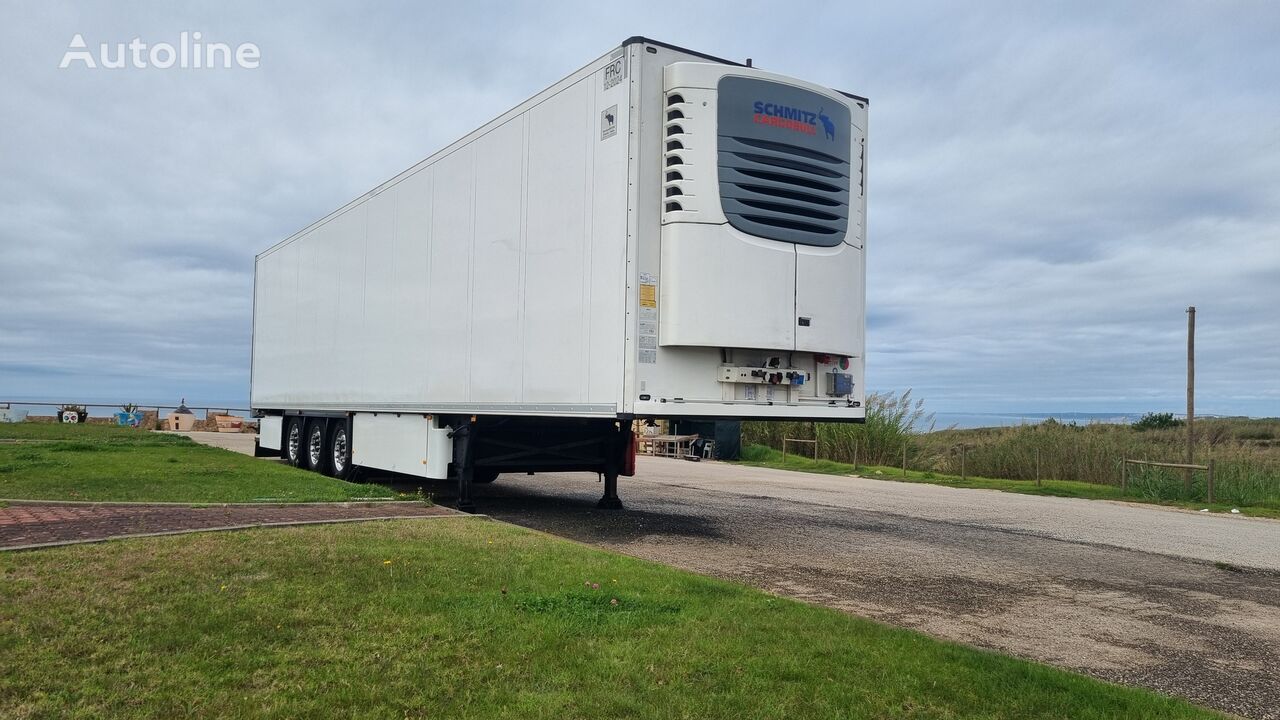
(316, 451)
(483, 476)
(293, 441)
(339, 449)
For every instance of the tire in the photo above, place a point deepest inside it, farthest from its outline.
(339, 452)
(483, 476)
(316, 448)
(294, 441)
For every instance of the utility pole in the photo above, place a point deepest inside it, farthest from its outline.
(1191, 393)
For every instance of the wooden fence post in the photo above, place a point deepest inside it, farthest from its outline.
(855, 454)
(1209, 481)
(1191, 396)
(962, 454)
(1037, 467)
(904, 458)
(1124, 475)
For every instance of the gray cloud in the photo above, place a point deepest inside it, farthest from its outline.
(1050, 186)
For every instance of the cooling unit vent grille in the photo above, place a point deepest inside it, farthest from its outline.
(783, 192)
(675, 197)
(783, 161)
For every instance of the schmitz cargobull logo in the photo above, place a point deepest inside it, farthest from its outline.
(793, 118)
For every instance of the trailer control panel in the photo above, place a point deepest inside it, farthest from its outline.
(763, 375)
(839, 384)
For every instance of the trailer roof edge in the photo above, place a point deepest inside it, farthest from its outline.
(640, 39)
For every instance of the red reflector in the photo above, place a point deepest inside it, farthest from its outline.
(629, 457)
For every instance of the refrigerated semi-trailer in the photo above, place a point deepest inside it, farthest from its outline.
(661, 234)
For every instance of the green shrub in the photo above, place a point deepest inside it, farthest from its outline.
(1157, 421)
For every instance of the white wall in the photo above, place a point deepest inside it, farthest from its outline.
(489, 275)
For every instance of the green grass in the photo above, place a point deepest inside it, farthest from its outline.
(761, 456)
(103, 463)
(468, 618)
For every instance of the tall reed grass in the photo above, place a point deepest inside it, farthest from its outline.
(1246, 452)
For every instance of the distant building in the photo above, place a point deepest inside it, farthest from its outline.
(181, 420)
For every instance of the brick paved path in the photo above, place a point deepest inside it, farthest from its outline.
(26, 525)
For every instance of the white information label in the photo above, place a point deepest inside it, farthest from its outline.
(615, 72)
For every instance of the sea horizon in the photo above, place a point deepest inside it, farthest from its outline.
(939, 420)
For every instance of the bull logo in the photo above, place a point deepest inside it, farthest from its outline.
(827, 124)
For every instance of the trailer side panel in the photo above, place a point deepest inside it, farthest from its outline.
(488, 278)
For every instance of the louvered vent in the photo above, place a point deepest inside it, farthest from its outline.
(784, 192)
(783, 159)
(675, 197)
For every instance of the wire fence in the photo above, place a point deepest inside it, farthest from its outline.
(150, 417)
(1244, 453)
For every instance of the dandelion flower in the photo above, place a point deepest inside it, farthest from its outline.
(386, 562)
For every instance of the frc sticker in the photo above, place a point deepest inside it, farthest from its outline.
(615, 72)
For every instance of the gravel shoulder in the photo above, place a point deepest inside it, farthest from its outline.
(1235, 539)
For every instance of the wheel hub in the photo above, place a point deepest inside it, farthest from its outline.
(340, 451)
(316, 447)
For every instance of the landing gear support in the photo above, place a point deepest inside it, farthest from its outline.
(612, 466)
(610, 501)
(464, 451)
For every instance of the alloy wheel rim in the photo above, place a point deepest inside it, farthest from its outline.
(340, 451)
(295, 442)
(316, 447)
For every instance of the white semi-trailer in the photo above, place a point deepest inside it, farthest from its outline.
(662, 234)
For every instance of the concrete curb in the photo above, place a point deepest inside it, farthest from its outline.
(266, 503)
(226, 528)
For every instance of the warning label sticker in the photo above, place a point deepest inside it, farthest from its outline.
(647, 337)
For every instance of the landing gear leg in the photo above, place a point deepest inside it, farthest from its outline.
(610, 501)
(464, 463)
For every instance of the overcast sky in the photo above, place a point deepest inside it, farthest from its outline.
(1050, 185)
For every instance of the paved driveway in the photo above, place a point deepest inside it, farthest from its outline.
(34, 524)
(239, 442)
